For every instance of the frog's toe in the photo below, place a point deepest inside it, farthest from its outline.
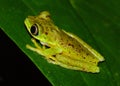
(35, 43)
(33, 40)
(29, 47)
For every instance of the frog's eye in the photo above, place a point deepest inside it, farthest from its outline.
(34, 29)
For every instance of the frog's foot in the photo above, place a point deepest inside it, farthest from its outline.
(39, 51)
(35, 43)
(37, 48)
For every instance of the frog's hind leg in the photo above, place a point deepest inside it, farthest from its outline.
(51, 59)
(67, 62)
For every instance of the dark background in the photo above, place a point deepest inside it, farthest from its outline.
(15, 67)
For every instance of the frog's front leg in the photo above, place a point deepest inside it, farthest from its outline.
(47, 52)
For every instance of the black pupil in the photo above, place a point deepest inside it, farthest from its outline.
(34, 30)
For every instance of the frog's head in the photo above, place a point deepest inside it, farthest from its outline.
(39, 26)
(34, 28)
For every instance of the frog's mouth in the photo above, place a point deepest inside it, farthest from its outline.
(44, 44)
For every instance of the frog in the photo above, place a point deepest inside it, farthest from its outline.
(60, 47)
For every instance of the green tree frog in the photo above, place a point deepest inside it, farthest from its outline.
(60, 47)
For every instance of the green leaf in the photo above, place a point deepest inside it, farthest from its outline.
(97, 22)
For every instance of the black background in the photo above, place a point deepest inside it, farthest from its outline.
(16, 68)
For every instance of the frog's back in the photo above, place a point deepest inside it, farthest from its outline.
(74, 49)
